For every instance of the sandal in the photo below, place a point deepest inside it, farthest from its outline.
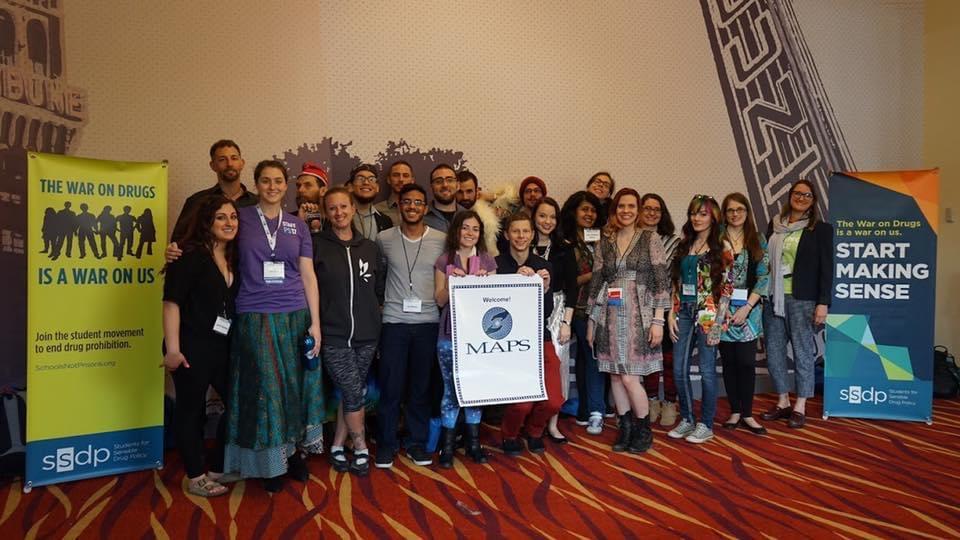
(361, 463)
(338, 460)
(204, 487)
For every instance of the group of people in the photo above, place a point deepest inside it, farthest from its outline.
(60, 227)
(258, 303)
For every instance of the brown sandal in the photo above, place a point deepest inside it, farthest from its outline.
(205, 487)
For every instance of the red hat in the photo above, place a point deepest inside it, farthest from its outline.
(533, 180)
(315, 170)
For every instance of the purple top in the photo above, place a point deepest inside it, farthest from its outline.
(293, 242)
(487, 262)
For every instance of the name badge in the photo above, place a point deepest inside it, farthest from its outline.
(591, 235)
(222, 326)
(615, 296)
(412, 305)
(689, 289)
(739, 297)
(273, 272)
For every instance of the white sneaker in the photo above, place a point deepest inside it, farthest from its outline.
(700, 435)
(682, 430)
(595, 425)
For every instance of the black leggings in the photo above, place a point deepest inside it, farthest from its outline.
(739, 374)
(208, 367)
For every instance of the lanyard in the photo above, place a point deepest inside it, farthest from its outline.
(546, 252)
(271, 238)
(403, 244)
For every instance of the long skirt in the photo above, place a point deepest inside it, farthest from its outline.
(275, 406)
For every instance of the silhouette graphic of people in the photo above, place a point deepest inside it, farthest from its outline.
(108, 229)
(49, 231)
(86, 227)
(148, 232)
(127, 223)
(65, 229)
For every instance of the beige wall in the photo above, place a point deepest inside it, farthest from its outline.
(941, 121)
(557, 89)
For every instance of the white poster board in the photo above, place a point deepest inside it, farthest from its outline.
(497, 329)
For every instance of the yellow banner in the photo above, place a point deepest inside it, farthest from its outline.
(94, 329)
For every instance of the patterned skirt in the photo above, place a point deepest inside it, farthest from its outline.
(275, 406)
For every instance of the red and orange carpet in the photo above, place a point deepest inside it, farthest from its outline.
(839, 478)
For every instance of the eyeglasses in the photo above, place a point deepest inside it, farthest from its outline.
(805, 195)
(444, 180)
(601, 183)
(533, 190)
(653, 209)
(413, 202)
(736, 211)
(364, 179)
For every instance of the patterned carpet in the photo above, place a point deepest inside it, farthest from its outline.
(840, 478)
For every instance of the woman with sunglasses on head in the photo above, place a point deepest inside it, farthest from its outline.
(577, 217)
(629, 294)
(553, 248)
(701, 294)
(655, 216)
(738, 345)
(465, 253)
(801, 285)
(198, 293)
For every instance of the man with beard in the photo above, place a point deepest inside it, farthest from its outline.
(399, 174)
(311, 187)
(226, 162)
(408, 337)
(443, 182)
(364, 186)
(469, 189)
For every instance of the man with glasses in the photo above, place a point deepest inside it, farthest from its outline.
(443, 183)
(365, 187)
(399, 174)
(408, 339)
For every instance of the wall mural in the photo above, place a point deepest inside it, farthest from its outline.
(39, 111)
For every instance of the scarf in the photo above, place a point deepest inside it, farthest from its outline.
(781, 228)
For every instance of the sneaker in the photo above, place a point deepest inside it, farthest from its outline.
(680, 432)
(668, 413)
(580, 422)
(512, 447)
(610, 412)
(595, 425)
(419, 456)
(700, 435)
(384, 458)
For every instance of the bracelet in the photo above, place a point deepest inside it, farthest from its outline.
(656, 319)
(656, 322)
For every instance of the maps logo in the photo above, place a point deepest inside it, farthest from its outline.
(497, 323)
(856, 395)
(67, 458)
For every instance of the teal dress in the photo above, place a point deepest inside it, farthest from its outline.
(753, 326)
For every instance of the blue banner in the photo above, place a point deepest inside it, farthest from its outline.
(879, 334)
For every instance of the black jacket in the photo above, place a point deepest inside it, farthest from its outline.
(506, 264)
(813, 267)
(351, 284)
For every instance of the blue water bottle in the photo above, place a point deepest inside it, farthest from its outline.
(310, 361)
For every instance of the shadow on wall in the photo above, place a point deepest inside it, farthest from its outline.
(338, 159)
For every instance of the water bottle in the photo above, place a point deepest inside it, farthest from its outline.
(310, 361)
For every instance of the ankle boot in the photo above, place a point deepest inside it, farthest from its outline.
(448, 438)
(642, 438)
(626, 432)
(472, 443)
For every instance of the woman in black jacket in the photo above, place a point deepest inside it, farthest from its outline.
(801, 285)
(351, 286)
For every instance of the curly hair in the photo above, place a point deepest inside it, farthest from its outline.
(714, 255)
(452, 243)
(199, 233)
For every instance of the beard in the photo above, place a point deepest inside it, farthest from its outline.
(364, 200)
(440, 200)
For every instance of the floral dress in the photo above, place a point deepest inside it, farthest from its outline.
(752, 327)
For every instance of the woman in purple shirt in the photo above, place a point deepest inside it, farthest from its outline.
(275, 408)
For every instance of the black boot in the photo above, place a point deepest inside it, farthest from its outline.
(642, 438)
(472, 443)
(626, 432)
(448, 438)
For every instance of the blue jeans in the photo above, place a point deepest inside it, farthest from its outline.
(449, 405)
(691, 335)
(797, 328)
(408, 354)
(590, 382)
